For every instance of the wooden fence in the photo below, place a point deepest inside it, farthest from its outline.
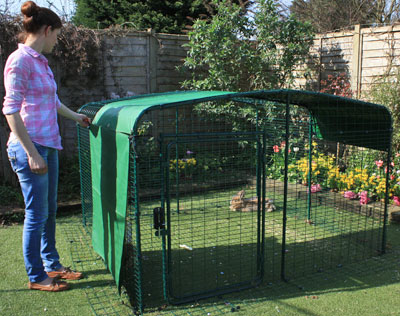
(135, 63)
(364, 55)
(145, 62)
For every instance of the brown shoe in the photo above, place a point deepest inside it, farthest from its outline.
(54, 286)
(66, 274)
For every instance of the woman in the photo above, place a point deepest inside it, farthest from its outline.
(31, 105)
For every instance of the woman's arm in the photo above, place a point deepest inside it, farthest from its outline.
(36, 162)
(81, 119)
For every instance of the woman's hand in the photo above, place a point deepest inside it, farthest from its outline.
(35, 161)
(82, 120)
(37, 164)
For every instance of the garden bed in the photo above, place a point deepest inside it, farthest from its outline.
(374, 209)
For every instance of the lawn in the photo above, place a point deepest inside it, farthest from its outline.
(368, 288)
(223, 249)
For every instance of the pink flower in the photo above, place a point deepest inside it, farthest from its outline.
(276, 148)
(364, 199)
(396, 200)
(379, 163)
(350, 195)
(316, 188)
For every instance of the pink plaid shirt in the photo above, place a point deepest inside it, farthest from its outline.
(32, 91)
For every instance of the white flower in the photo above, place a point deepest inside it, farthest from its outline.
(114, 96)
(296, 149)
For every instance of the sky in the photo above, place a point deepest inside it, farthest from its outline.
(63, 8)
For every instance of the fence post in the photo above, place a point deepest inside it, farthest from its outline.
(6, 172)
(152, 52)
(320, 62)
(356, 62)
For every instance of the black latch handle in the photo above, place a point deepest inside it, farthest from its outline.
(159, 218)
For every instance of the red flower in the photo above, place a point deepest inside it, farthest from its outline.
(364, 199)
(276, 148)
(350, 195)
(316, 188)
(379, 163)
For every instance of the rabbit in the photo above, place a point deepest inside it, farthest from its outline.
(240, 204)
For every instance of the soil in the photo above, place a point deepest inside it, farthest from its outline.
(14, 214)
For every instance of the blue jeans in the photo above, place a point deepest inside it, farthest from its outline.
(40, 196)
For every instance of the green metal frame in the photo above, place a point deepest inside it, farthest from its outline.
(321, 125)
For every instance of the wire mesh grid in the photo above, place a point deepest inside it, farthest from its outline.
(104, 298)
(203, 168)
(100, 291)
(85, 166)
(192, 161)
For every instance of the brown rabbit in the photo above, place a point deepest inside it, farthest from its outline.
(240, 204)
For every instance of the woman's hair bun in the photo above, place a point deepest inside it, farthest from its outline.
(29, 8)
(36, 17)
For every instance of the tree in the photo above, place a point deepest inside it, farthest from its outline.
(328, 15)
(386, 11)
(162, 16)
(236, 52)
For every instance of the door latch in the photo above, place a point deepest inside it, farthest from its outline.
(159, 220)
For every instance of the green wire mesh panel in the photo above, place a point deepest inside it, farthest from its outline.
(211, 247)
(213, 243)
(224, 195)
(85, 166)
(322, 227)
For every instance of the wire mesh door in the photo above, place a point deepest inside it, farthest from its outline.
(213, 243)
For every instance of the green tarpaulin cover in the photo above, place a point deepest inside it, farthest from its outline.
(337, 119)
(110, 163)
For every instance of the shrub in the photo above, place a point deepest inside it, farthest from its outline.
(386, 91)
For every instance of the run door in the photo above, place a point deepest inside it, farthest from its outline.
(212, 244)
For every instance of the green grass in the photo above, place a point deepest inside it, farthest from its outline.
(224, 243)
(15, 297)
(371, 287)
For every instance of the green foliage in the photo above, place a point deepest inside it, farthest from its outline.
(386, 91)
(11, 196)
(69, 179)
(237, 52)
(162, 16)
(328, 15)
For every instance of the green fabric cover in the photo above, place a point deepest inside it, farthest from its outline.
(339, 119)
(110, 167)
(132, 108)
